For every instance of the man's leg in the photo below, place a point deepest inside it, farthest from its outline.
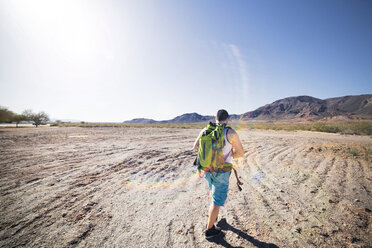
(213, 213)
(219, 194)
(211, 200)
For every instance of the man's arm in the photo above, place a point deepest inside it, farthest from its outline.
(196, 143)
(234, 140)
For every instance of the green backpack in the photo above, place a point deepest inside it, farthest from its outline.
(210, 156)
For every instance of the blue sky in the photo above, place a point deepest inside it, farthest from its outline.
(118, 60)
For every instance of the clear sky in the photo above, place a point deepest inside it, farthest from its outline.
(117, 60)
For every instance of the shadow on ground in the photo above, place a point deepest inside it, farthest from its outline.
(227, 227)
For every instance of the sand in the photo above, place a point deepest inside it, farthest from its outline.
(137, 187)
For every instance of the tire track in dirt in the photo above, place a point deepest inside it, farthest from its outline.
(38, 219)
(265, 196)
(104, 187)
(344, 186)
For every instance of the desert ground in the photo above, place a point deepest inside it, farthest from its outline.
(137, 187)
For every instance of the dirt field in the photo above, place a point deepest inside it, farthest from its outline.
(137, 187)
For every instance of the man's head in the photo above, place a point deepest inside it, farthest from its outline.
(222, 116)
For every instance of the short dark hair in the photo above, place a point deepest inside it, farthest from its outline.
(222, 115)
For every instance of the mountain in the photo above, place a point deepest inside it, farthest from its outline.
(191, 118)
(185, 118)
(64, 120)
(298, 107)
(357, 105)
(140, 121)
(307, 107)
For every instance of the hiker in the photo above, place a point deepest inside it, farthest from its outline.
(218, 180)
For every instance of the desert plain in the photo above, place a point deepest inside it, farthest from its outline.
(138, 187)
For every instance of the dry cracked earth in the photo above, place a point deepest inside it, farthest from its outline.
(137, 187)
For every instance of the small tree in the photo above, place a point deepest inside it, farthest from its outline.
(6, 115)
(18, 118)
(37, 118)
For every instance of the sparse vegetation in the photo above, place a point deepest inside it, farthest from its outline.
(88, 125)
(6, 116)
(356, 127)
(351, 127)
(367, 153)
(19, 118)
(360, 127)
(37, 118)
(356, 151)
(353, 152)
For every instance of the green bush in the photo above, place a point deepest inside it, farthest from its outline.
(6, 116)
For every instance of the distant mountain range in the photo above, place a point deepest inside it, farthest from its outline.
(64, 120)
(185, 118)
(299, 107)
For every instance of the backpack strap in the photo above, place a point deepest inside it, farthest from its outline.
(227, 155)
(228, 128)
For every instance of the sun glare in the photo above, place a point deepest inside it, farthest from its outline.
(70, 30)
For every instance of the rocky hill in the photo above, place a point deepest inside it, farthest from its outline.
(307, 107)
(356, 105)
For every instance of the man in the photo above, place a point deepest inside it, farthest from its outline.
(218, 182)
